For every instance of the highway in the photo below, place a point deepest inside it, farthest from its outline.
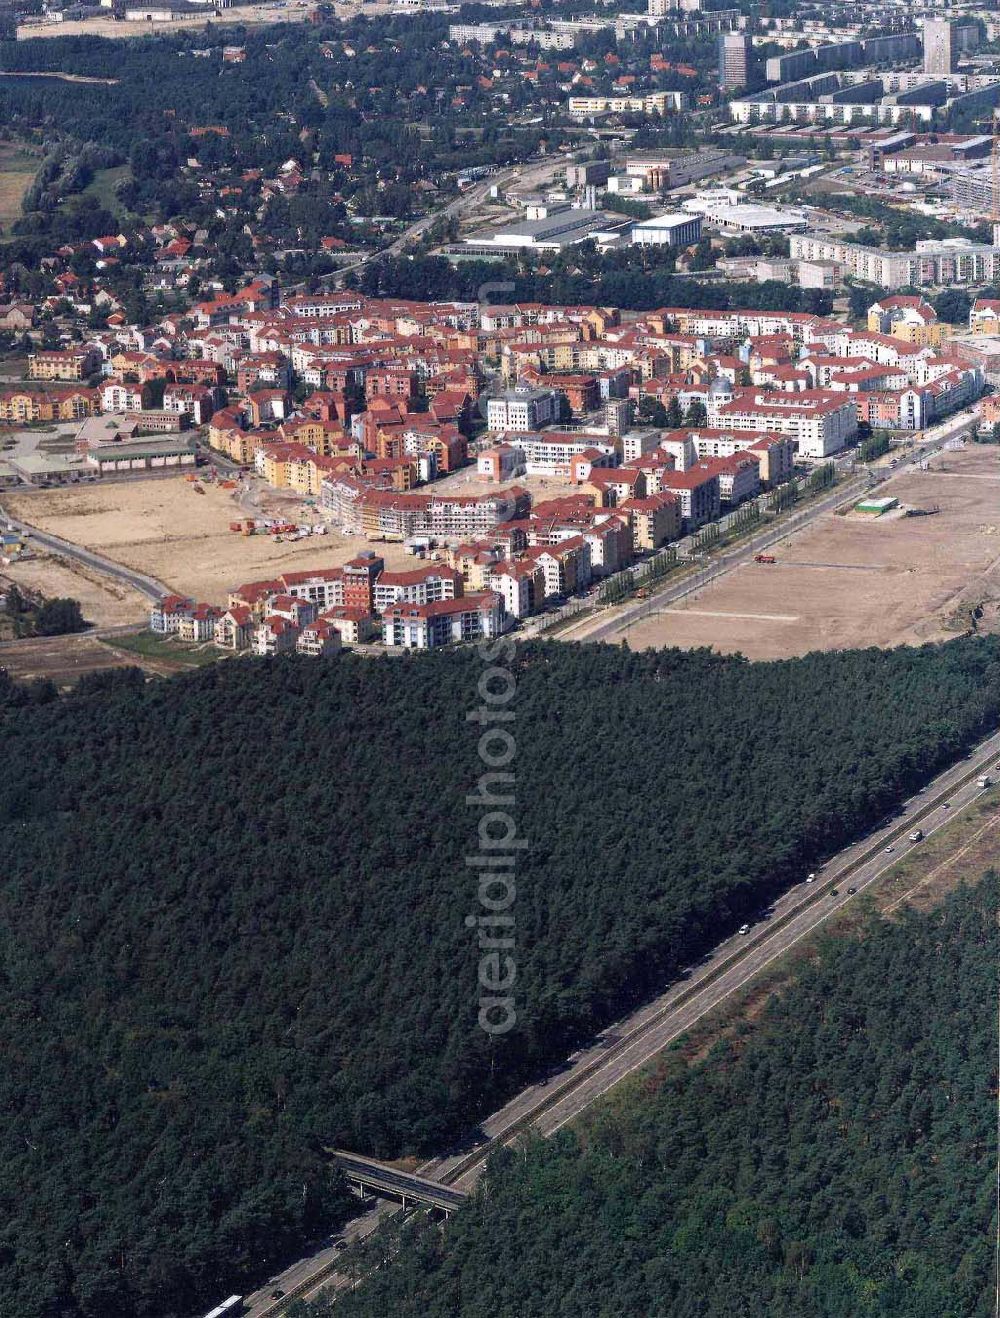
(633, 1042)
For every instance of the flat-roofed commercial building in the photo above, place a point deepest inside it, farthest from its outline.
(677, 229)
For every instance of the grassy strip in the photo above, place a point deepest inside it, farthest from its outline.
(148, 645)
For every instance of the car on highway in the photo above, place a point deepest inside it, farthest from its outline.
(810, 878)
(744, 929)
(851, 892)
(834, 892)
(890, 848)
(945, 805)
(278, 1294)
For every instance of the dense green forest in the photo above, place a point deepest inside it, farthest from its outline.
(838, 1160)
(232, 922)
(639, 280)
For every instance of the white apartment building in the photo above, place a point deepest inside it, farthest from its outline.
(776, 452)
(583, 107)
(522, 409)
(520, 585)
(551, 453)
(119, 397)
(424, 585)
(819, 421)
(444, 622)
(950, 261)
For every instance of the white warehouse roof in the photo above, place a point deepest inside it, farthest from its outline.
(668, 221)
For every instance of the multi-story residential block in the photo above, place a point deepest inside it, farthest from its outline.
(820, 421)
(939, 46)
(444, 622)
(520, 583)
(949, 261)
(23, 406)
(522, 409)
(698, 493)
(63, 364)
(735, 55)
(565, 566)
(501, 463)
(116, 396)
(166, 616)
(354, 626)
(234, 628)
(655, 520)
(199, 624)
(275, 635)
(360, 575)
(663, 103)
(984, 316)
(424, 585)
(318, 638)
(908, 317)
(609, 539)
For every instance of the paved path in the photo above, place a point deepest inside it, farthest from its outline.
(153, 589)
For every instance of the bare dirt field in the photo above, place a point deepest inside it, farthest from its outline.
(163, 527)
(64, 659)
(104, 601)
(852, 581)
(466, 481)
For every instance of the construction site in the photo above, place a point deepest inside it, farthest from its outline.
(198, 537)
(926, 569)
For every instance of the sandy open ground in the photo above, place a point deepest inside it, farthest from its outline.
(104, 601)
(851, 581)
(164, 528)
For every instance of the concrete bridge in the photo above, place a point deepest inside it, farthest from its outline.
(391, 1183)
